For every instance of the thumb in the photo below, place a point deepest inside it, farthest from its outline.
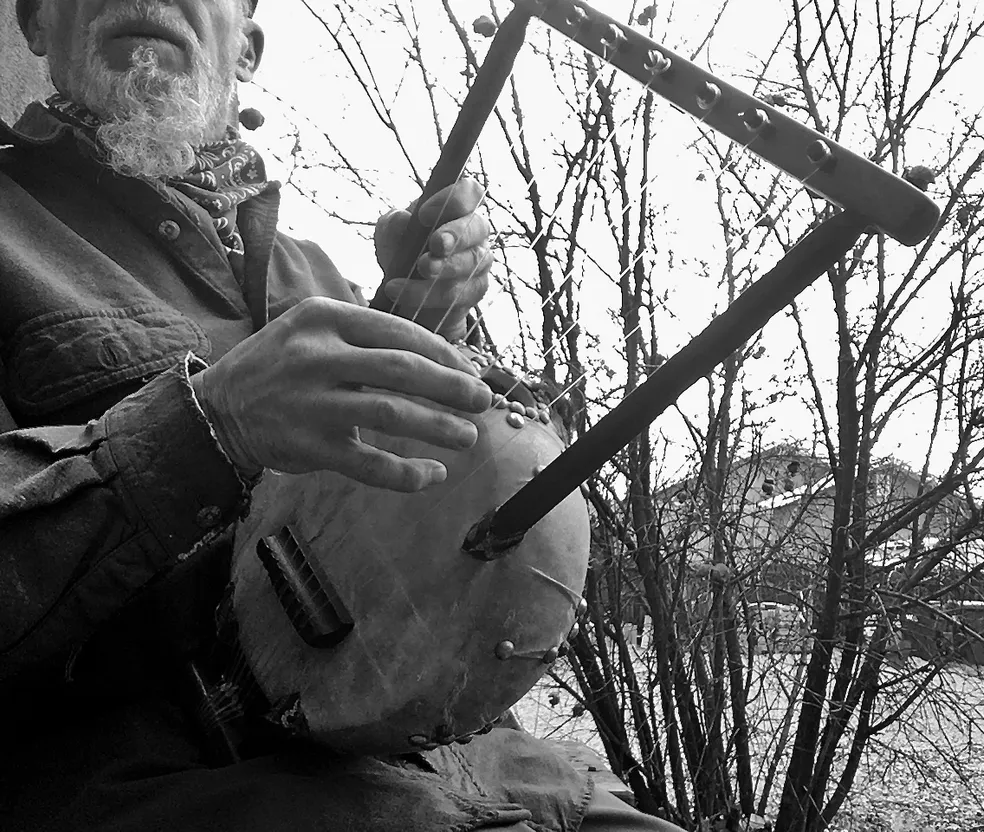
(386, 236)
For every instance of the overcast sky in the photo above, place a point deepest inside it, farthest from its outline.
(303, 70)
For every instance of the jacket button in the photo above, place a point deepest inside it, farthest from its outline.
(169, 230)
(209, 517)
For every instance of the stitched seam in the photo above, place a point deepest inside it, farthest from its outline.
(85, 384)
(467, 769)
(582, 809)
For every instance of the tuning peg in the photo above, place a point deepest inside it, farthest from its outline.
(708, 96)
(656, 63)
(820, 154)
(755, 120)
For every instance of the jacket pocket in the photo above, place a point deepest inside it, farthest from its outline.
(61, 359)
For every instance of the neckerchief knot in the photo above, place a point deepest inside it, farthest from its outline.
(223, 175)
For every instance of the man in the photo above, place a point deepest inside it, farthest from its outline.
(162, 345)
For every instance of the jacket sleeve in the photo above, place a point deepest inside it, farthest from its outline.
(90, 514)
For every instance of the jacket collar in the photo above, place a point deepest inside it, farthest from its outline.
(39, 129)
(35, 128)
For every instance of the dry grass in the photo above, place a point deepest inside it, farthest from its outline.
(923, 774)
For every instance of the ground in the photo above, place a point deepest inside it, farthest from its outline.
(926, 776)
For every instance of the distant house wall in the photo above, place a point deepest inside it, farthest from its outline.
(23, 77)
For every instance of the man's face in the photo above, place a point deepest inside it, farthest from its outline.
(180, 32)
(165, 68)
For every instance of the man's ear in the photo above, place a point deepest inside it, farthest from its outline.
(251, 51)
(28, 16)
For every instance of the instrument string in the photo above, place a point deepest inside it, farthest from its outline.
(505, 45)
(413, 266)
(270, 652)
(360, 523)
(739, 240)
(610, 50)
(474, 472)
(552, 403)
(512, 146)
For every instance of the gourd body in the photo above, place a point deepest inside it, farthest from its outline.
(441, 642)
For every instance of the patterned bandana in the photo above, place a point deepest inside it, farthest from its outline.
(224, 174)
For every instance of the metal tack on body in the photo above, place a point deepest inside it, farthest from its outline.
(504, 650)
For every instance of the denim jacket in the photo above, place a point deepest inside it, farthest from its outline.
(113, 290)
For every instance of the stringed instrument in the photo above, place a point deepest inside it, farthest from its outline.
(376, 621)
(365, 619)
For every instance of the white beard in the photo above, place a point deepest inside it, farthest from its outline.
(153, 119)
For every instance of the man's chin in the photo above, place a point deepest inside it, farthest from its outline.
(152, 117)
(133, 151)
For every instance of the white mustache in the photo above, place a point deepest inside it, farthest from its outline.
(147, 13)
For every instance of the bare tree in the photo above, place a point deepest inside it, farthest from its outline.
(622, 228)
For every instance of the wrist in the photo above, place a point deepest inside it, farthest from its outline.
(245, 468)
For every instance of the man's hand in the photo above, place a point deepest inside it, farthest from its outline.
(455, 267)
(293, 396)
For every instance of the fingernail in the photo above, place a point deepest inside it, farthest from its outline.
(438, 473)
(447, 242)
(468, 435)
(482, 397)
(430, 265)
